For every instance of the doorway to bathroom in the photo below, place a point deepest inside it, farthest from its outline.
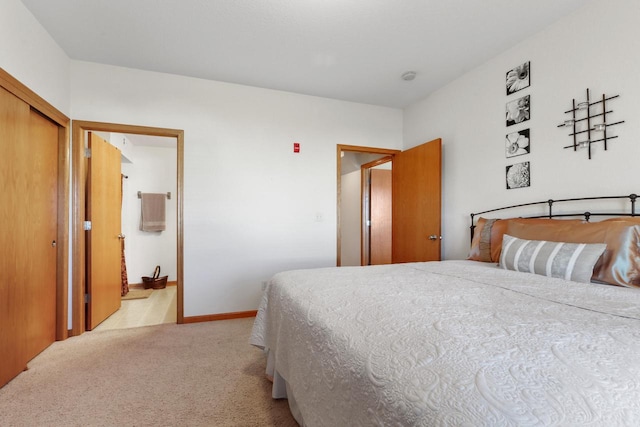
(151, 144)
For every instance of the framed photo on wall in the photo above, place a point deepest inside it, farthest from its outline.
(518, 110)
(518, 175)
(517, 143)
(519, 78)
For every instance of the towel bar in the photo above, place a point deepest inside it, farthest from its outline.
(168, 195)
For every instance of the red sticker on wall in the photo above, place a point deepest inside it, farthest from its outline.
(296, 147)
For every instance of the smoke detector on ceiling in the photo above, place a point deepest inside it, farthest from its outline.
(409, 75)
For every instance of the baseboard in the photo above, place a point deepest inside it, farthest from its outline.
(141, 285)
(221, 316)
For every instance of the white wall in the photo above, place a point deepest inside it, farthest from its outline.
(29, 54)
(350, 217)
(597, 48)
(124, 144)
(251, 204)
(153, 171)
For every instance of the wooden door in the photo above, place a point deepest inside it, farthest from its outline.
(416, 208)
(41, 234)
(103, 244)
(28, 214)
(380, 209)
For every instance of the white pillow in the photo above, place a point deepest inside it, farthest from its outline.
(569, 261)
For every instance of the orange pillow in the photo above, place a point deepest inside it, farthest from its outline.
(487, 240)
(487, 237)
(556, 230)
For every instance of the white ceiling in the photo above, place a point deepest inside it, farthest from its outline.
(354, 50)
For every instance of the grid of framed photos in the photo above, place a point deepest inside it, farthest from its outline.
(518, 137)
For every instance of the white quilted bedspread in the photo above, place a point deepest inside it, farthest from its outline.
(454, 343)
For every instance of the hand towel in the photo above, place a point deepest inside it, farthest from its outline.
(152, 214)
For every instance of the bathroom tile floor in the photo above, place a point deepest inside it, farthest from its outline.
(159, 307)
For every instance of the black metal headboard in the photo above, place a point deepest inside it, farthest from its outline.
(632, 199)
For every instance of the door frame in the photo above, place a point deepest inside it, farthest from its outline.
(13, 86)
(359, 149)
(79, 167)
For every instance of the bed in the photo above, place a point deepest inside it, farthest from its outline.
(469, 342)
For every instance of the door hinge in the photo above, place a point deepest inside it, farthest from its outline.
(86, 225)
(87, 153)
(87, 298)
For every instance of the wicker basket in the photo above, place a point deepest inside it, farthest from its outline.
(155, 282)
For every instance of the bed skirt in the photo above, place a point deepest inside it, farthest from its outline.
(281, 389)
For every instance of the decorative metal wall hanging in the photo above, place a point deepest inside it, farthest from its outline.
(591, 112)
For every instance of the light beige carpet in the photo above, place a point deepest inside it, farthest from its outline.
(137, 294)
(201, 374)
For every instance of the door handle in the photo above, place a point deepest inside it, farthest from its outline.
(120, 236)
(435, 237)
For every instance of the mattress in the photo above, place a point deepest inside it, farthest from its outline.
(450, 343)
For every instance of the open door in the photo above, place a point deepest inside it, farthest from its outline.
(416, 199)
(103, 244)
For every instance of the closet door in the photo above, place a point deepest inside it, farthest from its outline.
(14, 119)
(40, 207)
(28, 214)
